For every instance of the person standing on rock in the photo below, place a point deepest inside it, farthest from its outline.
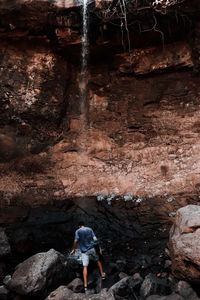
(85, 237)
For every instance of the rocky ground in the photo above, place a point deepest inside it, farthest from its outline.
(138, 265)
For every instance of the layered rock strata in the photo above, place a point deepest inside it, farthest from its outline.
(138, 136)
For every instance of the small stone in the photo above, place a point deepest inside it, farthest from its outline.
(172, 214)
(168, 264)
(139, 200)
(137, 276)
(7, 279)
(170, 199)
(101, 197)
(167, 253)
(110, 198)
(122, 275)
(76, 285)
(128, 197)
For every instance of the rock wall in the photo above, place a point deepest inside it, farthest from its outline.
(138, 135)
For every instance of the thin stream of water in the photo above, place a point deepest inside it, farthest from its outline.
(83, 79)
(84, 56)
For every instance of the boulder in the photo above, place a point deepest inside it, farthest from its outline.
(184, 243)
(4, 244)
(39, 274)
(104, 295)
(154, 286)
(184, 289)
(122, 275)
(124, 288)
(63, 293)
(173, 296)
(76, 285)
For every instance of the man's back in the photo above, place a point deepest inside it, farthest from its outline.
(86, 237)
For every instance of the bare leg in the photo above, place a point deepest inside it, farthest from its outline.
(85, 275)
(100, 267)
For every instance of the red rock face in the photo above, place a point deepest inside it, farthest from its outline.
(139, 131)
(138, 138)
(33, 82)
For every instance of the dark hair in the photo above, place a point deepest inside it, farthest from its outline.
(81, 223)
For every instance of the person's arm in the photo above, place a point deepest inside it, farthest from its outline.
(76, 239)
(74, 248)
(97, 241)
(100, 250)
(94, 236)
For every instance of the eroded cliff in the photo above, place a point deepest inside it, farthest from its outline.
(138, 135)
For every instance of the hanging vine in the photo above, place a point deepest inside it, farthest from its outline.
(110, 10)
(120, 13)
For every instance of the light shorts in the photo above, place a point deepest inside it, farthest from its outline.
(90, 254)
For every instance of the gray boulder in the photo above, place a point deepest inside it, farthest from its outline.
(76, 285)
(122, 275)
(39, 274)
(154, 286)
(124, 288)
(63, 293)
(103, 295)
(173, 296)
(184, 243)
(182, 291)
(4, 244)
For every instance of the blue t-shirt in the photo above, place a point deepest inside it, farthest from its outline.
(86, 238)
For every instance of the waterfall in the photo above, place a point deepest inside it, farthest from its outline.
(84, 56)
(83, 79)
